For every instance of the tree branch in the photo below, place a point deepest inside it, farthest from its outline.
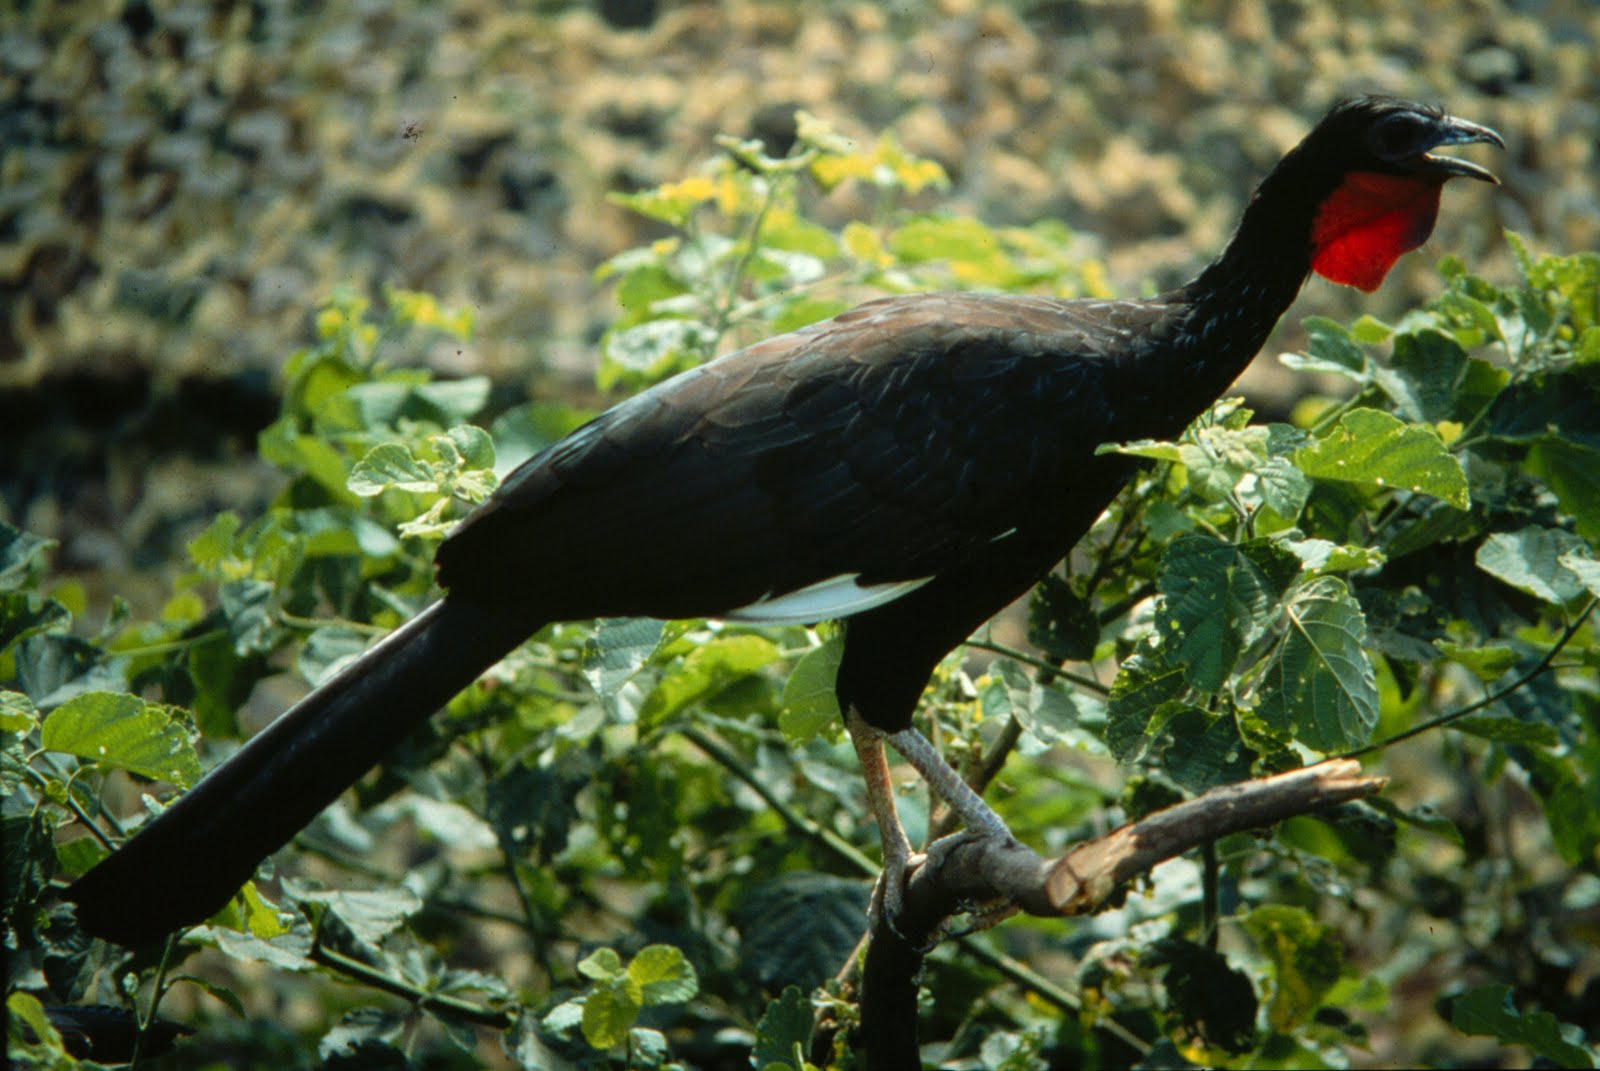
(966, 870)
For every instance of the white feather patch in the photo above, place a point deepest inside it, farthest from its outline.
(838, 596)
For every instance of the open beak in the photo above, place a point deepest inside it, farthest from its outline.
(1453, 131)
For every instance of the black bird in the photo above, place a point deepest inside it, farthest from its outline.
(911, 466)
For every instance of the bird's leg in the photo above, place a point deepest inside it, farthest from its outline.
(944, 782)
(897, 854)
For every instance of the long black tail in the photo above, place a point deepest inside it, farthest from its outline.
(183, 866)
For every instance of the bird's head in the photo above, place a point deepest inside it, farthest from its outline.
(1376, 157)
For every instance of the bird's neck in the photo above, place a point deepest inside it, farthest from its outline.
(1221, 319)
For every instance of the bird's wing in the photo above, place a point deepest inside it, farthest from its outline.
(881, 446)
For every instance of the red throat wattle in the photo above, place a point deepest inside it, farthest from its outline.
(1368, 223)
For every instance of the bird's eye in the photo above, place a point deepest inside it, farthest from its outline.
(1397, 136)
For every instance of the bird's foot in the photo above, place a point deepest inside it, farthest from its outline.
(889, 891)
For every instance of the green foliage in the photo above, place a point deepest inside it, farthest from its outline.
(745, 261)
(650, 817)
(1489, 1010)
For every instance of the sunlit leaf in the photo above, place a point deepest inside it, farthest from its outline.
(1375, 451)
(116, 729)
(664, 975)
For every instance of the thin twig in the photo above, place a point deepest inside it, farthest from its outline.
(1087, 683)
(448, 1006)
(159, 990)
(1493, 697)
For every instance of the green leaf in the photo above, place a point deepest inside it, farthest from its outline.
(1306, 959)
(1565, 786)
(654, 349)
(1490, 1011)
(1573, 473)
(1375, 451)
(371, 914)
(1530, 560)
(17, 713)
(25, 1008)
(28, 862)
(1282, 487)
(227, 996)
(1219, 598)
(121, 730)
(810, 696)
(1423, 816)
(285, 952)
(1201, 750)
(1488, 663)
(797, 927)
(1143, 686)
(1585, 568)
(1322, 556)
(609, 1012)
(799, 311)
(211, 548)
(248, 609)
(24, 614)
(306, 455)
(617, 650)
(706, 670)
(664, 976)
(603, 965)
(1319, 683)
(1061, 623)
(1154, 449)
(1428, 368)
(1508, 730)
(473, 447)
(784, 1032)
(454, 401)
(1554, 407)
(391, 466)
(1331, 350)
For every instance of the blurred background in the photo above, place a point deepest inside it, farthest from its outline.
(181, 184)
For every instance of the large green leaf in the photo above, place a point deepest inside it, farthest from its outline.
(1319, 683)
(1219, 598)
(121, 730)
(1375, 451)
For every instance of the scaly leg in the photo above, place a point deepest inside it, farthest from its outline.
(944, 782)
(868, 743)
